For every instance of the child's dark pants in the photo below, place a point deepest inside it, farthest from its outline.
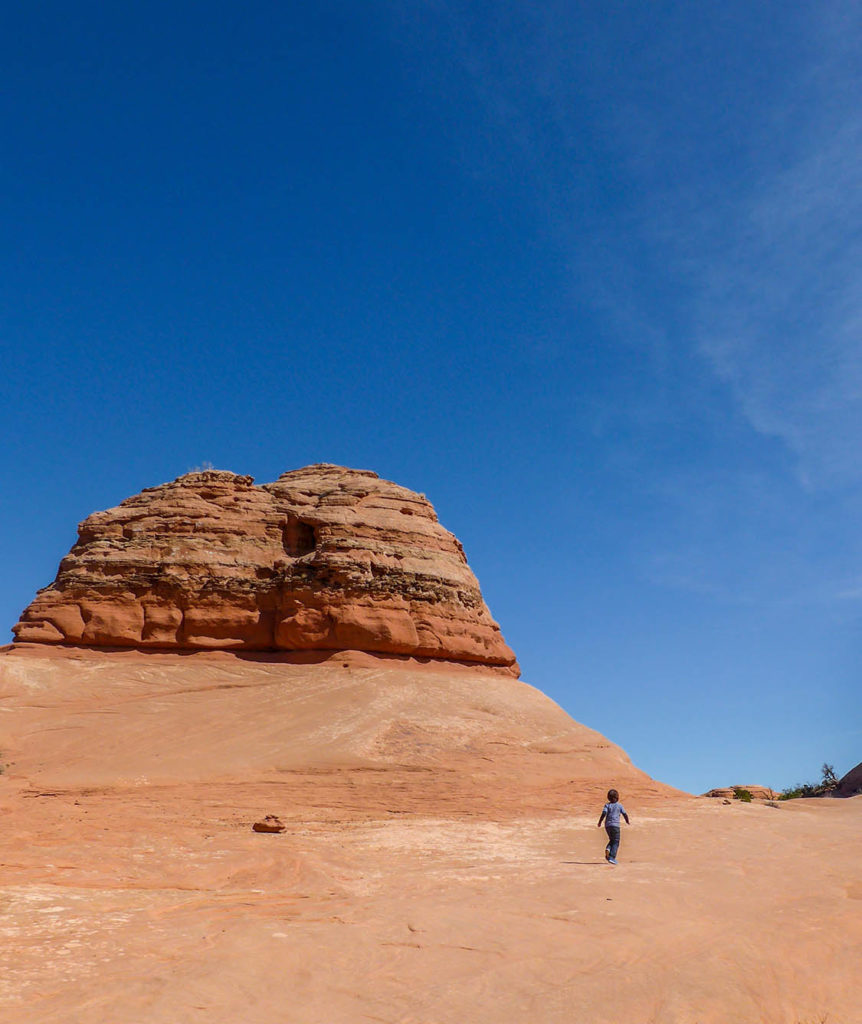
(613, 832)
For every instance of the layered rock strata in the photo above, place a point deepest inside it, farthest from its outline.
(324, 558)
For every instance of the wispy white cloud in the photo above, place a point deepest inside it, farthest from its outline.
(766, 267)
(740, 284)
(779, 309)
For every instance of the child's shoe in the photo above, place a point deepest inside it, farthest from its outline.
(607, 854)
(612, 861)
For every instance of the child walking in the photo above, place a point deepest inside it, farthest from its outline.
(612, 811)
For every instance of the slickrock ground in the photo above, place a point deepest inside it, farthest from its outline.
(440, 863)
(325, 558)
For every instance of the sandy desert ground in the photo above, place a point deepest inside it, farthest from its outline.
(441, 861)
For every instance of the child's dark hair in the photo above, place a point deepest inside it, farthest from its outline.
(613, 796)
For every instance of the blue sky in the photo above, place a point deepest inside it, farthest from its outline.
(586, 275)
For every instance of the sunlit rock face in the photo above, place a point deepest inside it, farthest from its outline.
(324, 558)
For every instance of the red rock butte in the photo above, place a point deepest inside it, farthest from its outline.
(323, 559)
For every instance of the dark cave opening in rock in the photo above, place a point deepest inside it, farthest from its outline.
(298, 538)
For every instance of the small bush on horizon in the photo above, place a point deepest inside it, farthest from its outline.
(828, 782)
(742, 794)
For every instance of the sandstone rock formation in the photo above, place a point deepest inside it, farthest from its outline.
(324, 558)
(851, 783)
(757, 792)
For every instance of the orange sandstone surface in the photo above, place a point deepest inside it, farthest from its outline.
(439, 861)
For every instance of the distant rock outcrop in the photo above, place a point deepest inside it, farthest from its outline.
(851, 783)
(325, 558)
(757, 792)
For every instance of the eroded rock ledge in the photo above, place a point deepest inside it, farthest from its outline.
(324, 558)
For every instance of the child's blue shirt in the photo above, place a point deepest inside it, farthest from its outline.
(612, 813)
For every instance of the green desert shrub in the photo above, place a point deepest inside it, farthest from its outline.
(742, 794)
(828, 782)
(800, 789)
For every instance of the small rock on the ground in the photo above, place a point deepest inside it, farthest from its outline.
(269, 824)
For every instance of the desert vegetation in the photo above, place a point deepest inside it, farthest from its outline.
(828, 782)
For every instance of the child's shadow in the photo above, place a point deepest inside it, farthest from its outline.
(583, 862)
